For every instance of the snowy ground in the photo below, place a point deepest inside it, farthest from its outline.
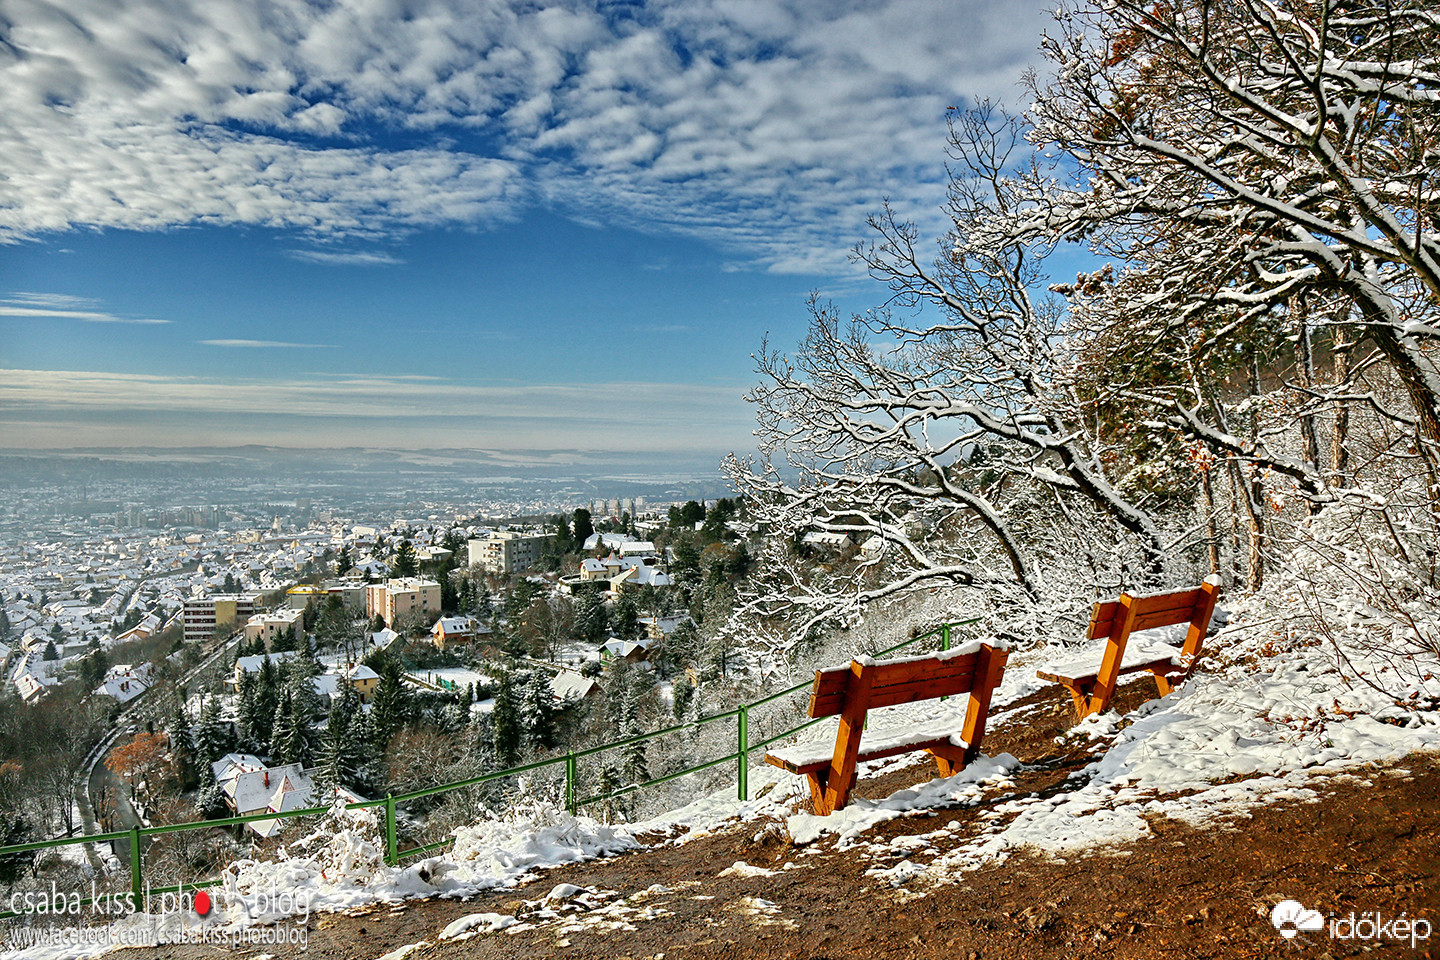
(1260, 720)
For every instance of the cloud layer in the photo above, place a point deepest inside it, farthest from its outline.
(54, 408)
(770, 128)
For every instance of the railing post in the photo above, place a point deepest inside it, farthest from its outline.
(570, 778)
(744, 752)
(392, 851)
(944, 636)
(137, 877)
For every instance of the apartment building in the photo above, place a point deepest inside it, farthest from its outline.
(204, 615)
(268, 626)
(403, 597)
(507, 552)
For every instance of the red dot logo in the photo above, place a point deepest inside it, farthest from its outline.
(202, 903)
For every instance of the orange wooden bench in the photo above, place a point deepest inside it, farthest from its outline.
(851, 691)
(1092, 687)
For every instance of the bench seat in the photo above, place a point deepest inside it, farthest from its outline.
(1139, 658)
(878, 744)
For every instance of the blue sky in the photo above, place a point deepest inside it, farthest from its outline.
(420, 223)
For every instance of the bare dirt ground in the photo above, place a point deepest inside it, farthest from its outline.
(1370, 845)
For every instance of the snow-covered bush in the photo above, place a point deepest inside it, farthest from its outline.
(1363, 575)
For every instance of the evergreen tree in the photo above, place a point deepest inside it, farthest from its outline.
(484, 604)
(245, 714)
(625, 621)
(390, 709)
(505, 723)
(591, 617)
(290, 737)
(209, 801)
(267, 701)
(583, 528)
(211, 743)
(300, 672)
(622, 708)
(182, 748)
(404, 564)
(449, 596)
(537, 710)
(310, 616)
(50, 652)
(343, 563)
(339, 758)
(681, 649)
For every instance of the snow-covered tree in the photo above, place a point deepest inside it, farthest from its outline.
(1250, 158)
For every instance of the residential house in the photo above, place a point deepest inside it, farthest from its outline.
(450, 631)
(124, 682)
(570, 687)
(252, 664)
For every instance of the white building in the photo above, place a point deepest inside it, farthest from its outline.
(507, 552)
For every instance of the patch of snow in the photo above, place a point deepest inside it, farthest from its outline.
(742, 869)
(399, 953)
(476, 923)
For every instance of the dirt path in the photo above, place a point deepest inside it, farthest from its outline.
(1369, 845)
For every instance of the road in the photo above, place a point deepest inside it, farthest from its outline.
(99, 782)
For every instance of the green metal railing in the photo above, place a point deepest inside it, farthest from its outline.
(571, 761)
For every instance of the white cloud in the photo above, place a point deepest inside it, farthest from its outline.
(350, 259)
(251, 344)
(59, 306)
(770, 128)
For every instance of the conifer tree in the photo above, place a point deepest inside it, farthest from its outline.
(537, 710)
(391, 707)
(211, 742)
(287, 738)
(267, 700)
(182, 748)
(505, 724)
(245, 713)
(339, 758)
(404, 564)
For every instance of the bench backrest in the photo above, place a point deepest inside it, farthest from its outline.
(1194, 607)
(895, 682)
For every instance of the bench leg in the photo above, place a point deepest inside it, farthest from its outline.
(1082, 696)
(1164, 682)
(817, 791)
(950, 761)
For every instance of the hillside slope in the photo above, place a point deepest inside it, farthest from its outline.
(1349, 840)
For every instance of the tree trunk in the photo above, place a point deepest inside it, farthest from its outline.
(1305, 376)
(1254, 497)
(1340, 429)
(1212, 526)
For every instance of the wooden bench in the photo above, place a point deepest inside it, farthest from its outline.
(852, 691)
(1092, 686)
